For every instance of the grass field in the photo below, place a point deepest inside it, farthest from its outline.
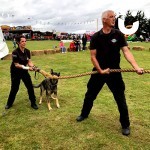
(38, 45)
(22, 128)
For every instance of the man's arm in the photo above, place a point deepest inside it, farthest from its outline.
(96, 64)
(130, 58)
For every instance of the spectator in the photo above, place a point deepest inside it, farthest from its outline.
(84, 41)
(72, 46)
(77, 44)
(62, 47)
(14, 42)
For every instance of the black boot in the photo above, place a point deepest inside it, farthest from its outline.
(34, 106)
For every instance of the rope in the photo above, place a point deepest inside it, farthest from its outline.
(47, 75)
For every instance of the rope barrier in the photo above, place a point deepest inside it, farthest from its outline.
(47, 75)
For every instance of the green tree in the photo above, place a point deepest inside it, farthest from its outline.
(144, 23)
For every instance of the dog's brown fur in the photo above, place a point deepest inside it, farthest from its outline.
(50, 86)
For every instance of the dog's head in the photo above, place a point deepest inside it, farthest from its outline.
(54, 81)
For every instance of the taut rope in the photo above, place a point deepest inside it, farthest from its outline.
(47, 75)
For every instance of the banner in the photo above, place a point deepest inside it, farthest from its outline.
(3, 46)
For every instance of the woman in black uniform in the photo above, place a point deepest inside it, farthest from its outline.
(20, 65)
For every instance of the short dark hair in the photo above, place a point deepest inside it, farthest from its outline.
(18, 38)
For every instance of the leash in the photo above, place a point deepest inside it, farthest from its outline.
(36, 69)
(47, 75)
(35, 75)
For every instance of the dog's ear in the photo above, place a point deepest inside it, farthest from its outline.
(51, 71)
(58, 74)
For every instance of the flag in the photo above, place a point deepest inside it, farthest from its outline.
(3, 46)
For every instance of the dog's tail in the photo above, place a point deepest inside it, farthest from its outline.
(36, 86)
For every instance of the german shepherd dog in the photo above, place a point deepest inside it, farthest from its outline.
(50, 86)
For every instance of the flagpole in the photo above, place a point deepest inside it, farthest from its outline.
(97, 24)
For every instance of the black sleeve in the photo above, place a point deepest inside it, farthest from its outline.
(93, 42)
(15, 57)
(123, 41)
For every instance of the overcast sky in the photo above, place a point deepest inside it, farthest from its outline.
(64, 15)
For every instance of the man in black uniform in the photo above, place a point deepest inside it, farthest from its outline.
(20, 65)
(105, 55)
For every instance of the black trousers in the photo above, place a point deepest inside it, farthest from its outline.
(15, 82)
(84, 45)
(116, 85)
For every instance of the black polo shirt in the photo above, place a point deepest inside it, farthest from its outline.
(20, 57)
(108, 48)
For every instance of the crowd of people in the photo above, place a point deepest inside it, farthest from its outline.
(76, 45)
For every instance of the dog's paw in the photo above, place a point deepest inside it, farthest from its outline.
(58, 106)
(50, 108)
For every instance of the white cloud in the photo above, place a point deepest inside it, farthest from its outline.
(64, 15)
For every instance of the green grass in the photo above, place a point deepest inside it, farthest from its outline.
(22, 128)
(38, 45)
